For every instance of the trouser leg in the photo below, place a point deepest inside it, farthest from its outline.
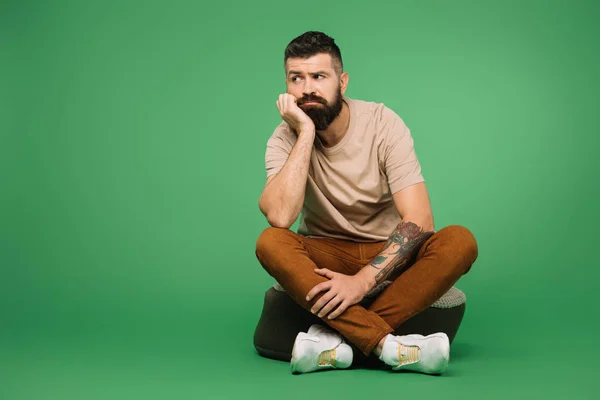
(285, 257)
(441, 261)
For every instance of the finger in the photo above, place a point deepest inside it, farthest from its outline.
(317, 289)
(282, 101)
(291, 100)
(322, 301)
(338, 311)
(288, 102)
(325, 272)
(323, 286)
(330, 306)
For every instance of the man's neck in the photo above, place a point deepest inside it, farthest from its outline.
(337, 129)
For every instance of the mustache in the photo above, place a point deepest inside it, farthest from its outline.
(308, 99)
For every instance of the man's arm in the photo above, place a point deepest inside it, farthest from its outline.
(416, 227)
(283, 195)
(282, 198)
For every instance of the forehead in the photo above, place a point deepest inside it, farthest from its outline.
(318, 62)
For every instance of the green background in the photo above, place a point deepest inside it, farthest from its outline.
(132, 139)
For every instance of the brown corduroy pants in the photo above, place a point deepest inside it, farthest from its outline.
(291, 259)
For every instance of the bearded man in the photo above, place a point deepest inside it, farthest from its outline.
(348, 168)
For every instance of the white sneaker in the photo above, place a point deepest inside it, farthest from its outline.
(427, 354)
(320, 348)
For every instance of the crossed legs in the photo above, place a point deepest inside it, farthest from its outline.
(291, 259)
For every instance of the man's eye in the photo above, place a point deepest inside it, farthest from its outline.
(319, 76)
(295, 78)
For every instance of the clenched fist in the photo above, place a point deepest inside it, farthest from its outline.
(293, 115)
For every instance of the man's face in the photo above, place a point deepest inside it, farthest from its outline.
(317, 88)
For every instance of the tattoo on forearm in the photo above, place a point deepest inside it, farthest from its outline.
(408, 237)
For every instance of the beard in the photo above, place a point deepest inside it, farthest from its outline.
(324, 113)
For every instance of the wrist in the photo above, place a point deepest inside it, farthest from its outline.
(306, 131)
(367, 280)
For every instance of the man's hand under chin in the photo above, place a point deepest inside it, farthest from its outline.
(341, 291)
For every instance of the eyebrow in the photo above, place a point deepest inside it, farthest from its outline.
(312, 73)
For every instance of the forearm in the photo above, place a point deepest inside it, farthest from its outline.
(398, 252)
(282, 199)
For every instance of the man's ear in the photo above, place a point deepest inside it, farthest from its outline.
(344, 78)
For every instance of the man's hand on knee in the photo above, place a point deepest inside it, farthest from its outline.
(340, 292)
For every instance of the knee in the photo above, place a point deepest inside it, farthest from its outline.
(463, 242)
(270, 241)
(265, 241)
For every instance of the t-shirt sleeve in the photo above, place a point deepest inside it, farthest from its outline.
(277, 153)
(401, 165)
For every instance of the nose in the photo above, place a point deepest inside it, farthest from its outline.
(308, 87)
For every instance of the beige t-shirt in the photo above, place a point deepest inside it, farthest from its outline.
(350, 185)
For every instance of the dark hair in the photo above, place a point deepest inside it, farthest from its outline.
(312, 42)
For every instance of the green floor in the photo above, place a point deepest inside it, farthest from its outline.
(132, 140)
(503, 349)
(493, 366)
